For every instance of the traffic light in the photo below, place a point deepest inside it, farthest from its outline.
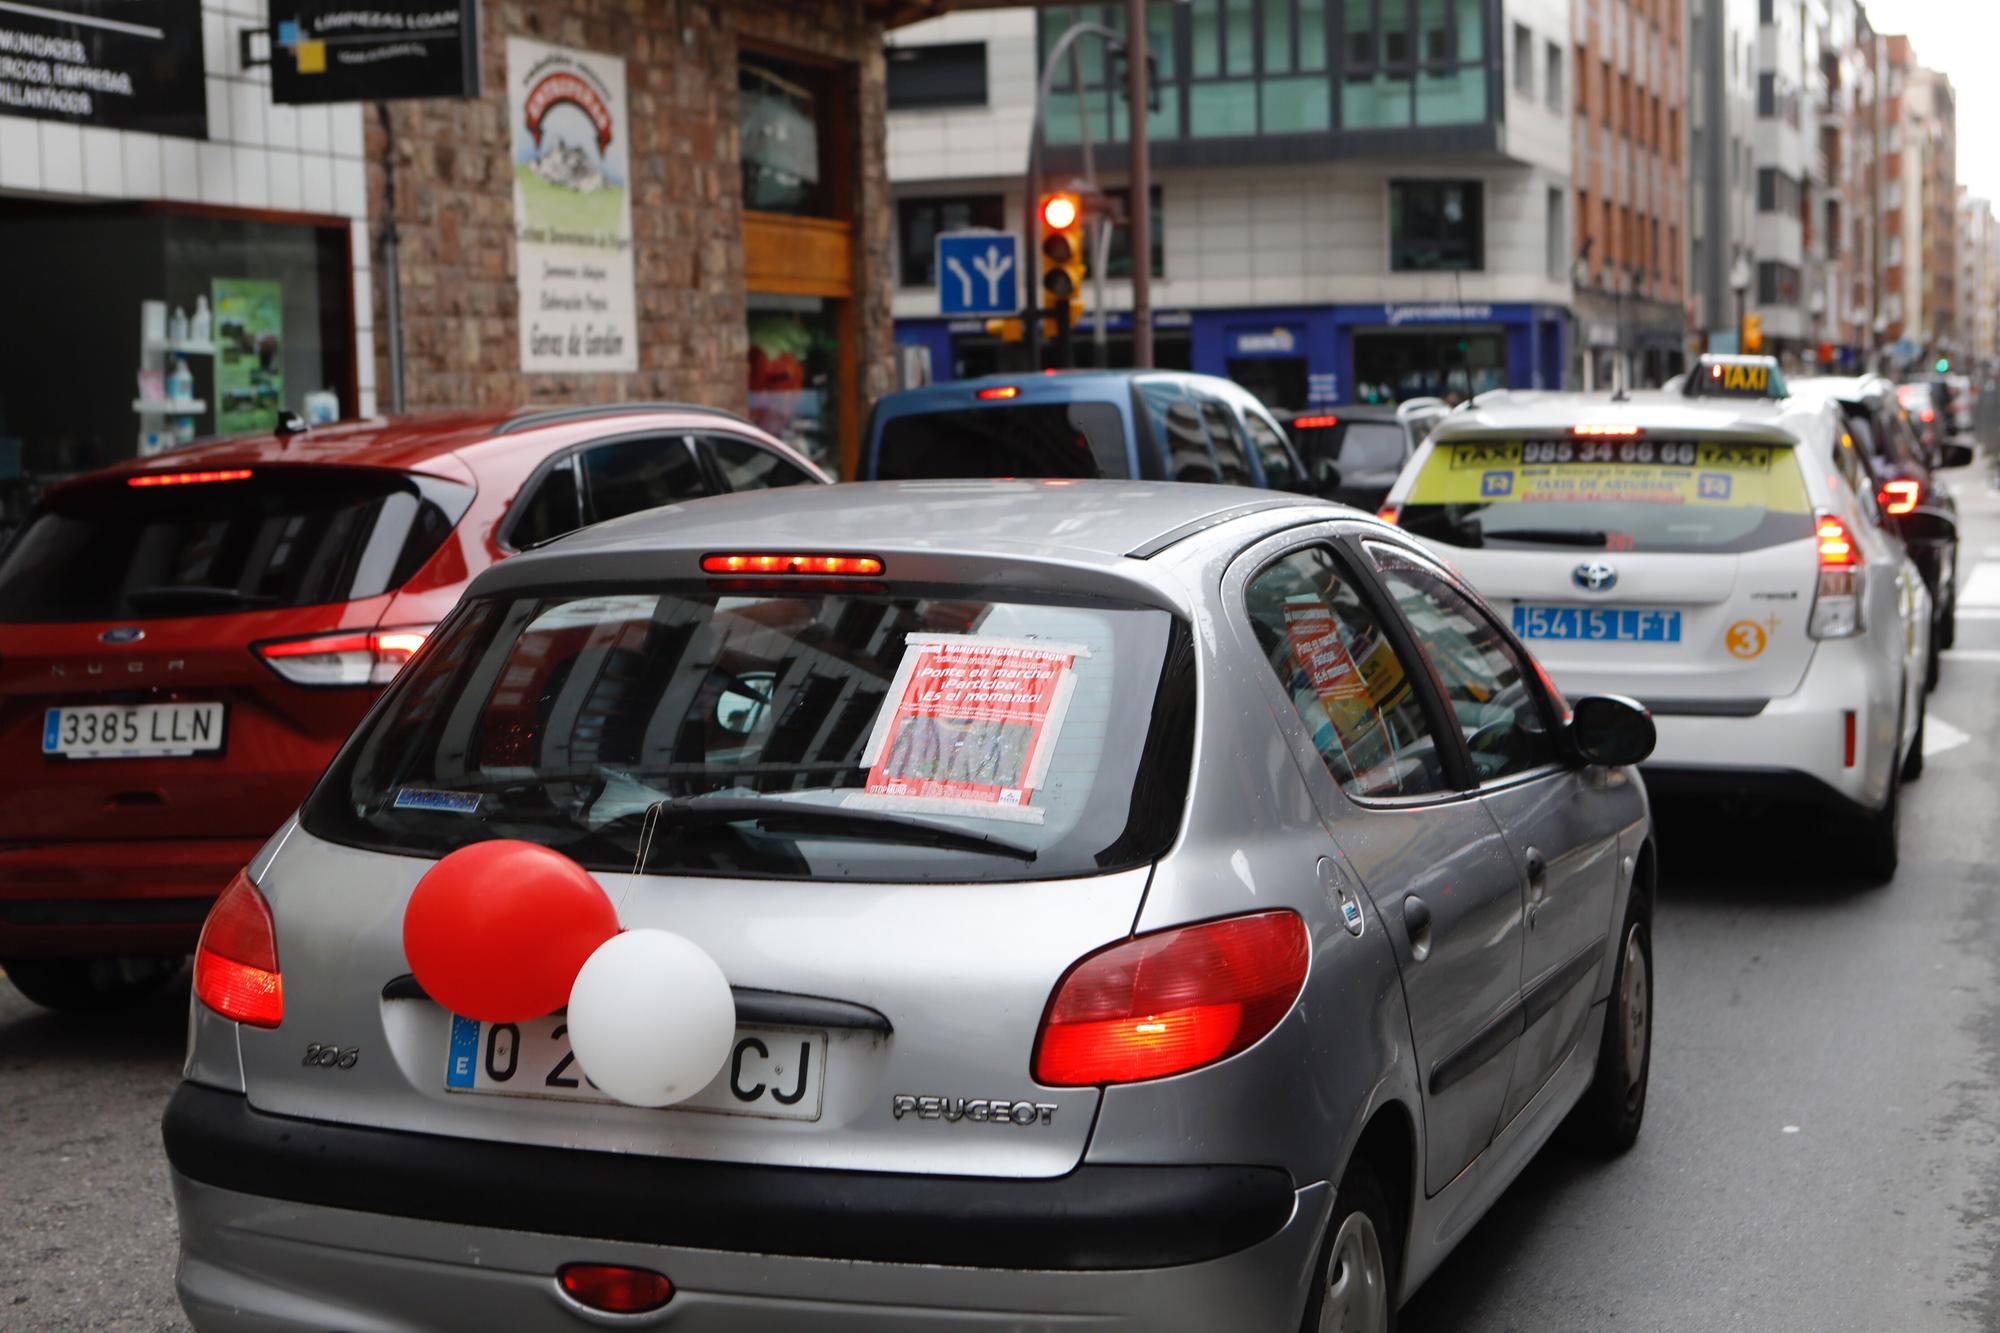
(1944, 365)
(1061, 216)
(1753, 333)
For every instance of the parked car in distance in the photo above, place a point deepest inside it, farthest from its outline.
(1328, 914)
(1930, 419)
(1354, 454)
(1156, 425)
(185, 640)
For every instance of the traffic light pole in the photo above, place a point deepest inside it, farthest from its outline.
(1138, 106)
(1031, 194)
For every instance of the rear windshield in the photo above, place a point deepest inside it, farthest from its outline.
(1617, 495)
(927, 735)
(278, 538)
(1005, 440)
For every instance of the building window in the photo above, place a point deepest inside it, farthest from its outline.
(1777, 192)
(1423, 63)
(928, 77)
(786, 112)
(1767, 95)
(1557, 257)
(1777, 284)
(919, 221)
(1524, 60)
(1582, 84)
(1553, 94)
(1604, 90)
(1436, 225)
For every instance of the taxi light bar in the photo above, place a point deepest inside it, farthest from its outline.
(1000, 391)
(188, 478)
(355, 657)
(1622, 432)
(1171, 1001)
(1314, 423)
(1901, 496)
(236, 962)
(772, 563)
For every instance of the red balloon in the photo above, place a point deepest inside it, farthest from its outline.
(498, 931)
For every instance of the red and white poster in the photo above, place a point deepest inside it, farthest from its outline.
(970, 725)
(1317, 643)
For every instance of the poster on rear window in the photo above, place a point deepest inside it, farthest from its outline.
(969, 726)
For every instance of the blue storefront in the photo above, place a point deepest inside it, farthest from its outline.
(1318, 356)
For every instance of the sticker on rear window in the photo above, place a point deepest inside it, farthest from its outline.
(970, 726)
(425, 798)
(1696, 474)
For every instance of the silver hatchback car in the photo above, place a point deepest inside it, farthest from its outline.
(1223, 984)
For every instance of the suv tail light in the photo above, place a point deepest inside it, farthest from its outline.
(1172, 1001)
(352, 657)
(1836, 611)
(1901, 496)
(236, 962)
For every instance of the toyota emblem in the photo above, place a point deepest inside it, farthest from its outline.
(1595, 576)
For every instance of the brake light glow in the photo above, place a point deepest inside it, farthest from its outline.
(1901, 496)
(1600, 432)
(615, 1288)
(1930, 415)
(1836, 610)
(1314, 423)
(1388, 513)
(775, 563)
(353, 657)
(1000, 391)
(188, 478)
(1172, 1001)
(1836, 547)
(236, 962)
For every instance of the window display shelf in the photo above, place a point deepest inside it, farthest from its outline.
(169, 407)
(183, 348)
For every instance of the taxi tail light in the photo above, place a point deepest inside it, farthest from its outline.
(615, 1288)
(1389, 513)
(236, 962)
(1605, 432)
(352, 657)
(1172, 1001)
(1836, 610)
(778, 562)
(1901, 496)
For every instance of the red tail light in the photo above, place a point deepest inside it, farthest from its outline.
(773, 563)
(353, 657)
(1002, 391)
(1901, 496)
(1172, 1001)
(1314, 423)
(1588, 432)
(236, 962)
(1388, 513)
(188, 478)
(1836, 545)
(614, 1288)
(1930, 415)
(1847, 724)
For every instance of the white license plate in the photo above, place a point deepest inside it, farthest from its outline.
(778, 1073)
(136, 731)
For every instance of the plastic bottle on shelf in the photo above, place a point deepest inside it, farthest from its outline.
(177, 327)
(180, 381)
(198, 330)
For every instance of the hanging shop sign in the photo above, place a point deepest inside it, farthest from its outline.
(572, 208)
(326, 51)
(131, 64)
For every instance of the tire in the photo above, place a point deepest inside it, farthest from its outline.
(89, 985)
(1608, 1117)
(1913, 762)
(1357, 1294)
(1947, 630)
(1931, 663)
(1877, 841)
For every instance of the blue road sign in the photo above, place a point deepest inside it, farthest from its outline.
(978, 273)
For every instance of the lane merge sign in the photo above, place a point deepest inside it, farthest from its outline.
(978, 273)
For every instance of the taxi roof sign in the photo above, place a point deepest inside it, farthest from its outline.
(1716, 376)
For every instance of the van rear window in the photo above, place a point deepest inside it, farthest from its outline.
(1005, 440)
(1713, 496)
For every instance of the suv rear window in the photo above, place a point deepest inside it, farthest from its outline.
(787, 735)
(1708, 496)
(277, 538)
(1005, 440)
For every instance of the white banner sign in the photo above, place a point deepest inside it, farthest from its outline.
(572, 208)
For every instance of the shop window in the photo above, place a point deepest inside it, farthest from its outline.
(1436, 225)
(919, 222)
(784, 109)
(794, 348)
(930, 77)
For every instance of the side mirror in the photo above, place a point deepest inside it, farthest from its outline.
(1926, 525)
(1954, 455)
(1611, 729)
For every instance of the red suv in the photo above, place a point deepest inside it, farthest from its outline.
(185, 641)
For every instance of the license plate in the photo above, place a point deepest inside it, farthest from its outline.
(136, 731)
(778, 1073)
(1600, 624)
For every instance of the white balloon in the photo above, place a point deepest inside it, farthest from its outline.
(651, 1019)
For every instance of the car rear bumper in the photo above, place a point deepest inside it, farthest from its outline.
(82, 898)
(1791, 750)
(296, 1224)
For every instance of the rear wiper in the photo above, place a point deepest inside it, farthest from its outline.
(1551, 536)
(180, 594)
(835, 821)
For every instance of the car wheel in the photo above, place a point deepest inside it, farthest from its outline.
(1877, 842)
(1607, 1119)
(1913, 762)
(89, 985)
(1354, 1284)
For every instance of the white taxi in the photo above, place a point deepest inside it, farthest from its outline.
(1723, 561)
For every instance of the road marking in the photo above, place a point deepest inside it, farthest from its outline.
(1982, 587)
(1941, 736)
(1980, 612)
(1971, 654)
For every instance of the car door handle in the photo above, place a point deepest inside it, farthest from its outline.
(1537, 867)
(1417, 921)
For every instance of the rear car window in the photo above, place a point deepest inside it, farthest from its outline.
(1707, 496)
(276, 538)
(1005, 440)
(935, 736)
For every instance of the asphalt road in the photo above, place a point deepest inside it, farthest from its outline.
(1821, 1149)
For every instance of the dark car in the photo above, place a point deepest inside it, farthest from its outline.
(1163, 425)
(1906, 482)
(1355, 454)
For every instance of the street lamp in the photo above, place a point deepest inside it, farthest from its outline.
(1739, 282)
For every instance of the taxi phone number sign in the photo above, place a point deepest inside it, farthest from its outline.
(970, 726)
(1671, 472)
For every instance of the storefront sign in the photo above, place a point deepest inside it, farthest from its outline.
(327, 51)
(1279, 341)
(1437, 313)
(572, 208)
(133, 64)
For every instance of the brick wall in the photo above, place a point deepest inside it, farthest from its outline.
(454, 203)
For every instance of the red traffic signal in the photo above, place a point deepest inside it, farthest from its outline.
(1060, 211)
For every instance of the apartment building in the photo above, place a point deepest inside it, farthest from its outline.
(1354, 202)
(1978, 299)
(1629, 168)
(1722, 179)
(1918, 273)
(1841, 280)
(1784, 127)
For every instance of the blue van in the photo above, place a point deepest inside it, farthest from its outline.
(1161, 425)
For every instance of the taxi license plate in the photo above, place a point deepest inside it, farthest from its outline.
(1599, 624)
(137, 731)
(778, 1073)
